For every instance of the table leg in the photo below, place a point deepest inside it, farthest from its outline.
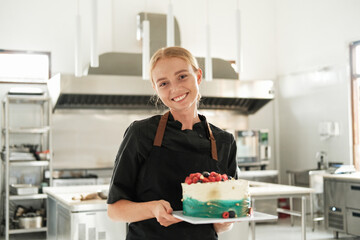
(303, 218)
(290, 179)
(252, 230)
(312, 210)
(253, 223)
(291, 203)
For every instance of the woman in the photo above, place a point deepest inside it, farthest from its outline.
(157, 154)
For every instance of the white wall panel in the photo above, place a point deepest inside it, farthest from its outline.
(306, 100)
(314, 34)
(313, 64)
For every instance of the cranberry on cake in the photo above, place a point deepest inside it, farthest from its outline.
(214, 195)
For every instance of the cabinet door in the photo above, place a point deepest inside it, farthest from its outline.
(353, 220)
(353, 195)
(334, 193)
(95, 225)
(51, 221)
(63, 227)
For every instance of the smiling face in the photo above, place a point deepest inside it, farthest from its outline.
(177, 84)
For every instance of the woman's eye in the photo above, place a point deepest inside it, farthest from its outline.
(162, 84)
(182, 76)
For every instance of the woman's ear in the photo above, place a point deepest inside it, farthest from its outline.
(199, 76)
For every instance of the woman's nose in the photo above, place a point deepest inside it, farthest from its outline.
(175, 85)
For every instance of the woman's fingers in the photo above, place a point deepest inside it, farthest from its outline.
(223, 227)
(167, 207)
(167, 220)
(163, 214)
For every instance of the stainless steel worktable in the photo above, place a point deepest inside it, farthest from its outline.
(260, 190)
(74, 219)
(64, 196)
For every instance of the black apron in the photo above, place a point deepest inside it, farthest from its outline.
(163, 172)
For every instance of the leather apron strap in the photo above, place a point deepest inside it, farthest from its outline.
(161, 130)
(213, 143)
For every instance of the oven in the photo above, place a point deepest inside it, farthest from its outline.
(253, 149)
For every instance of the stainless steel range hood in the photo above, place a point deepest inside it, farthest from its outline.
(117, 82)
(132, 92)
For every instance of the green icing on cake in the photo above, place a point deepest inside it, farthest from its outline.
(215, 208)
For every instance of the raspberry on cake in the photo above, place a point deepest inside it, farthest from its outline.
(215, 195)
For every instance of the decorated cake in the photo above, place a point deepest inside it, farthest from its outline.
(214, 195)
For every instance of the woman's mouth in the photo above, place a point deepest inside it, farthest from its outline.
(179, 98)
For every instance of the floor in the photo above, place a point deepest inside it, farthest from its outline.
(282, 230)
(264, 231)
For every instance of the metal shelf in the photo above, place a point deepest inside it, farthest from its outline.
(28, 98)
(29, 196)
(30, 230)
(43, 163)
(37, 130)
(45, 133)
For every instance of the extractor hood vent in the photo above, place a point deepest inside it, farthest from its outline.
(89, 101)
(243, 105)
(129, 92)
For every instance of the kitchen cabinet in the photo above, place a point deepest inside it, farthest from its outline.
(71, 219)
(13, 159)
(342, 205)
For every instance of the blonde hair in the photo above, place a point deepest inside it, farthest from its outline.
(170, 52)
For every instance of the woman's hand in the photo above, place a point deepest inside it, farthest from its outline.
(128, 211)
(162, 212)
(223, 227)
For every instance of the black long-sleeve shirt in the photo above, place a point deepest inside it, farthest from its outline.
(138, 142)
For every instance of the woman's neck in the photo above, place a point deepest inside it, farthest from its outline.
(187, 118)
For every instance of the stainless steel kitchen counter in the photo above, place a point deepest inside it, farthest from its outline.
(64, 195)
(353, 177)
(76, 219)
(258, 190)
(66, 215)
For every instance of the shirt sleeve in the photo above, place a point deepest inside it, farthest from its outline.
(126, 168)
(232, 164)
